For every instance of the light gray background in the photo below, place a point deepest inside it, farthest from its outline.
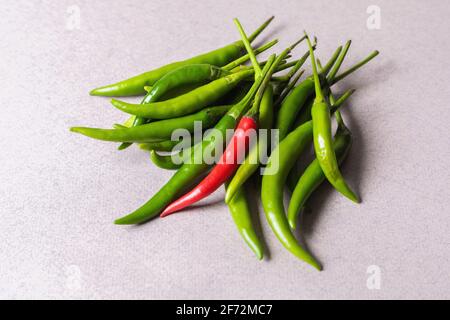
(60, 192)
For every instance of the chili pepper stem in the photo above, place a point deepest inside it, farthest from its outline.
(339, 61)
(354, 67)
(322, 136)
(332, 60)
(319, 94)
(244, 58)
(260, 29)
(248, 47)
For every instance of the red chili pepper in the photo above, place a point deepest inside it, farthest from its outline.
(228, 164)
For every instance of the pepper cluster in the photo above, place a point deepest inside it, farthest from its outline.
(219, 91)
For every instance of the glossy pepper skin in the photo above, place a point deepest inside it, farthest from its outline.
(190, 171)
(218, 57)
(240, 212)
(159, 130)
(323, 141)
(266, 112)
(194, 73)
(304, 117)
(134, 121)
(313, 175)
(190, 102)
(280, 162)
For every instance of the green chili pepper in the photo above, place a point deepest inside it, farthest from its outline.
(266, 113)
(313, 176)
(218, 57)
(194, 73)
(305, 112)
(156, 131)
(163, 162)
(240, 212)
(280, 162)
(304, 117)
(189, 171)
(188, 103)
(134, 121)
(168, 93)
(323, 141)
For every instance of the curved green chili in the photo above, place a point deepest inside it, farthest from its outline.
(156, 131)
(280, 162)
(191, 170)
(323, 141)
(313, 175)
(218, 57)
(240, 212)
(187, 103)
(194, 73)
(304, 117)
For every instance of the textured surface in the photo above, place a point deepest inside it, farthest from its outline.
(60, 192)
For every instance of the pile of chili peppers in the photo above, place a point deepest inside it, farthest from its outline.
(218, 90)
